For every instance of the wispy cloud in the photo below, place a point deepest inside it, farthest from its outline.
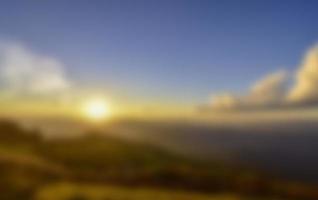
(24, 72)
(27, 75)
(267, 92)
(272, 91)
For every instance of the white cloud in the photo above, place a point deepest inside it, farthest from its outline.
(305, 90)
(24, 72)
(267, 92)
(272, 91)
(225, 101)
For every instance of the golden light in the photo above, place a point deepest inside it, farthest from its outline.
(97, 109)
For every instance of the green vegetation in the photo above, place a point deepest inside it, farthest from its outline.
(95, 167)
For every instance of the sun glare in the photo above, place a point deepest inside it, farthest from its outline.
(96, 109)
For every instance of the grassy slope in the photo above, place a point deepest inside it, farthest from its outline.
(67, 191)
(30, 165)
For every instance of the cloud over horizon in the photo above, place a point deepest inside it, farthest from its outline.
(305, 89)
(272, 91)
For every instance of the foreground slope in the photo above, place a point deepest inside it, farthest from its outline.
(32, 167)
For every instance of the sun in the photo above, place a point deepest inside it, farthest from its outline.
(96, 109)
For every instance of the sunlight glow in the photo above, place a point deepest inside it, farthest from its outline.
(97, 109)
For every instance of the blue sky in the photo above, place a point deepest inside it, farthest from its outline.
(169, 50)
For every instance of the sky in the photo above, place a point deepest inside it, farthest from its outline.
(159, 53)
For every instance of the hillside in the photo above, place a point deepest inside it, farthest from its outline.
(32, 167)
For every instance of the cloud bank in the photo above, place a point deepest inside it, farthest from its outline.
(23, 72)
(305, 89)
(273, 91)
